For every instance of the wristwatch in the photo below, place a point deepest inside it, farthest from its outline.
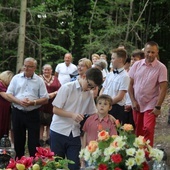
(158, 107)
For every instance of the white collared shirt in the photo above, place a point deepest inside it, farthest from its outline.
(64, 72)
(71, 98)
(116, 82)
(32, 88)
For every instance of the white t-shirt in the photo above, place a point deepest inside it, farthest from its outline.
(64, 72)
(116, 82)
(71, 98)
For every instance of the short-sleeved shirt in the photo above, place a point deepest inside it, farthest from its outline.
(64, 72)
(115, 83)
(32, 88)
(146, 82)
(91, 127)
(70, 97)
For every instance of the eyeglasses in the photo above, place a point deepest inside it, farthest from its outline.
(25, 66)
(90, 86)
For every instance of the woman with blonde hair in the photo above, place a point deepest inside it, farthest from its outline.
(5, 78)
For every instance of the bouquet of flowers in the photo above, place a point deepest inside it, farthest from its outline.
(120, 152)
(44, 160)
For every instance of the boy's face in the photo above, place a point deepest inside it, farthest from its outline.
(88, 85)
(115, 60)
(103, 106)
(134, 59)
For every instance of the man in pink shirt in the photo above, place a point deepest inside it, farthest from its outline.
(147, 90)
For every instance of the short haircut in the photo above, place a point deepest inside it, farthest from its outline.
(152, 43)
(121, 53)
(95, 55)
(47, 65)
(95, 75)
(105, 97)
(86, 62)
(101, 64)
(31, 59)
(139, 53)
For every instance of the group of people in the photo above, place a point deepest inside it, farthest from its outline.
(62, 103)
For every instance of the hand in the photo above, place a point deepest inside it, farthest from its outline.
(113, 119)
(25, 102)
(127, 108)
(156, 112)
(136, 106)
(77, 117)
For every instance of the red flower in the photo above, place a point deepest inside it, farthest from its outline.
(116, 158)
(145, 166)
(103, 167)
(44, 153)
(12, 164)
(117, 168)
(27, 161)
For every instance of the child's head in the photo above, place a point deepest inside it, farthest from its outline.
(95, 75)
(104, 97)
(104, 104)
(118, 57)
(137, 55)
(91, 79)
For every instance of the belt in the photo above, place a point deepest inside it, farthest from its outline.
(25, 111)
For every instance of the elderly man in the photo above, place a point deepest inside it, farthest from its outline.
(27, 92)
(63, 70)
(147, 90)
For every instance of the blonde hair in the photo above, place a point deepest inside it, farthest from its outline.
(95, 55)
(86, 62)
(6, 76)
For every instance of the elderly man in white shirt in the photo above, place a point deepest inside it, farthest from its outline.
(63, 70)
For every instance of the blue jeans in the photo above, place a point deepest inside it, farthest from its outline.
(66, 146)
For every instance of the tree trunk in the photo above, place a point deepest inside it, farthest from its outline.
(21, 40)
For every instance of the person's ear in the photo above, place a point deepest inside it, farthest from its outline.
(110, 107)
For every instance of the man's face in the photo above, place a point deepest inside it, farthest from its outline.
(151, 52)
(67, 59)
(29, 68)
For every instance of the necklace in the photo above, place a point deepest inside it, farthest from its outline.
(48, 81)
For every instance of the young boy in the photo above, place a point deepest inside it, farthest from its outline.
(72, 102)
(116, 84)
(99, 121)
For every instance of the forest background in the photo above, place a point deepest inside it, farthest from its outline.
(82, 27)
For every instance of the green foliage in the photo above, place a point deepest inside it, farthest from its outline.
(82, 27)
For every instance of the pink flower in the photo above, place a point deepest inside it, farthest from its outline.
(27, 161)
(12, 164)
(103, 167)
(44, 153)
(116, 158)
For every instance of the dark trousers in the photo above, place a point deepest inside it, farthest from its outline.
(68, 146)
(118, 112)
(22, 121)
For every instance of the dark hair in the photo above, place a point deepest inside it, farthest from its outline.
(139, 53)
(105, 97)
(128, 60)
(95, 75)
(121, 53)
(152, 43)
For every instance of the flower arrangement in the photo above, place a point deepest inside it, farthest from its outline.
(120, 152)
(44, 160)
